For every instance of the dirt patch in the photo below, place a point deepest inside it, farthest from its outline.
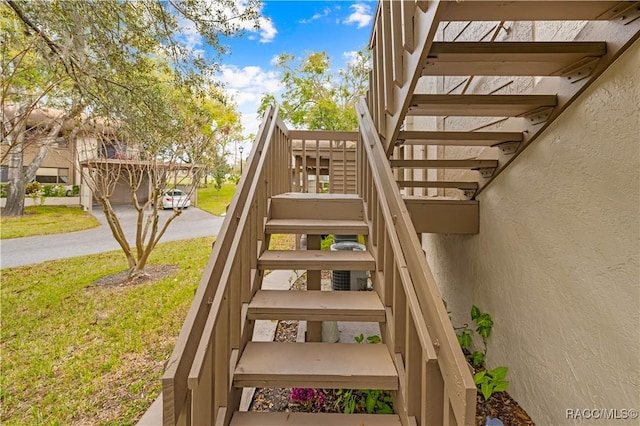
(121, 279)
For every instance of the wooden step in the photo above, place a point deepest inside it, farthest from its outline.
(531, 10)
(316, 226)
(364, 306)
(445, 164)
(517, 58)
(457, 138)
(316, 365)
(314, 260)
(479, 105)
(437, 184)
(254, 418)
(298, 205)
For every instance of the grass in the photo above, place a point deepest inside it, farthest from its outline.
(76, 354)
(213, 201)
(44, 220)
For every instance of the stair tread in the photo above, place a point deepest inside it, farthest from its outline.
(445, 164)
(312, 305)
(315, 196)
(317, 260)
(316, 226)
(316, 365)
(320, 206)
(479, 105)
(512, 58)
(421, 137)
(241, 418)
(562, 10)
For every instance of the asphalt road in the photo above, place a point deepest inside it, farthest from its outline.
(192, 223)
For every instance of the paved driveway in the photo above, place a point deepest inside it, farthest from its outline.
(192, 223)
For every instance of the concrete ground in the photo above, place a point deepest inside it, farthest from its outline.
(192, 223)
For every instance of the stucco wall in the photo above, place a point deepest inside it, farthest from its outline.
(556, 260)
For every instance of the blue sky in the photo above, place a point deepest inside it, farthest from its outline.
(337, 27)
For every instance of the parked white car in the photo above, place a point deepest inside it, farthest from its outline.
(175, 198)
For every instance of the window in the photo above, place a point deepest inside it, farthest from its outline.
(4, 173)
(52, 175)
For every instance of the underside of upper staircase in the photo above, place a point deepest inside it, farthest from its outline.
(461, 88)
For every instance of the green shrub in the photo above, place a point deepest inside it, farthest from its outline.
(33, 188)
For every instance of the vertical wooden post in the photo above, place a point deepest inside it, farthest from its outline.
(314, 328)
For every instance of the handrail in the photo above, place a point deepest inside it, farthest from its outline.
(197, 383)
(176, 407)
(427, 351)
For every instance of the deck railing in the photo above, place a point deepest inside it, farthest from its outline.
(436, 386)
(197, 381)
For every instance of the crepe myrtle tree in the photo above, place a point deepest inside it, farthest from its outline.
(71, 56)
(144, 154)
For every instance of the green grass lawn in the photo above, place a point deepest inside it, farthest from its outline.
(212, 201)
(77, 354)
(43, 220)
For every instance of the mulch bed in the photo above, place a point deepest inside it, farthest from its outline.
(121, 279)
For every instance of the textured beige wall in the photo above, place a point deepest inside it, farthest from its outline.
(556, 260)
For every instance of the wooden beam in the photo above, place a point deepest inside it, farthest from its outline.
(445, 164)
(444, 216)
(479, 105)
(509, 58)
(458, 138)
(437, 184)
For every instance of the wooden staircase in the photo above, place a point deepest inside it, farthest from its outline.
(314, 364)
(459, 89)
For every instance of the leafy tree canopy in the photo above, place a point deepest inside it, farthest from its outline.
(315, 96)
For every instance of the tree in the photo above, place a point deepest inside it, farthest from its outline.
(73, 55)
(121, 73)
(315, 97)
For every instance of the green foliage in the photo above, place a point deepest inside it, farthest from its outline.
(370, 401)
(483, 321)
(491, 381)
(315, 97)
(375, 401)
(326, 242)
(33, 188)
(370, 339)
(488, 382)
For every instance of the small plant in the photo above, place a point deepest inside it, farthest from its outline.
(487, 381)
(33, 188)
(370, 401)
(491, 381)
(370, 339)
(311, 399)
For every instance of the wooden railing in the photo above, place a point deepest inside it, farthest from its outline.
(320, 153)
(402, 34)
(196, 384)
(436, 385)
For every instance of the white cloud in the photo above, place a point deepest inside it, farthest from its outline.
(316, 16)
(361, 15)
(351, 57)
(247, 86)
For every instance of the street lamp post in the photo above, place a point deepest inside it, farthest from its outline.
(240, 148)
